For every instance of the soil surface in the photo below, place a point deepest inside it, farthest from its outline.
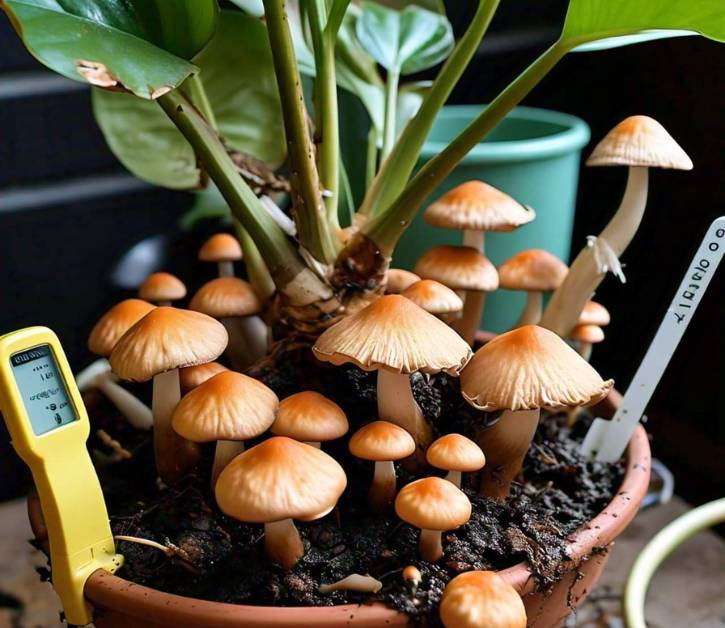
(214, 557)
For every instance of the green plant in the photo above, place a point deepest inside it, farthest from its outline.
(209, 106)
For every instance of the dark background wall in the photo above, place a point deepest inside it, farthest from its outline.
(68, 212)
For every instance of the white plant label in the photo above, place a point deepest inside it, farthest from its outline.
(607, 440)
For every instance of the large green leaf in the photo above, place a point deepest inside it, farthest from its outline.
(108, 43)
(238, 77)
(406, 41)
(640, 20)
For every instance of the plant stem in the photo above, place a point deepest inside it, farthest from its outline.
(257, 271)
(391, 101)
(312, 227)
(194, 90)
(386, 229)
(396, 170)
(371, 161)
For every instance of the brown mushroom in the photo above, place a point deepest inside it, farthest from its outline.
(310, 417)
(397, 280)
(224, 249)
(586, 336)
(434, 298)
(456, 454)
(162, 289)
(192, 376)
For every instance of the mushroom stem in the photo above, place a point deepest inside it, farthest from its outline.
(585, 350)
(164, 303)
(225, 452)
(430, 546)
(531, 313)
(317, 444)
(226, 269)
(283, 543)
(454, 477)
(256, 335)
(506, 444)
(470, 320)
(138, 413)
(247, 340)
(585, 274)
(174, 455)
(397, 405)
(382, 490)
(474, 239)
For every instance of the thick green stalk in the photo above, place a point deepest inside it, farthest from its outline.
(257, 270)
(327, 134)
(395, 171)
(194, 90)
(309, 210)
(391, 108)
(385, 230)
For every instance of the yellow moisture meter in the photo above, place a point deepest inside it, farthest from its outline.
(48, 424)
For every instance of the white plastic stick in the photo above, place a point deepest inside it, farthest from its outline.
(607, 440)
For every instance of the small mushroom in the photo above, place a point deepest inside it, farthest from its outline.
(521, 372)
(229, 408)
(397, 280)
(461, 268)
(412, 575)
(476, 207)
(235, 303)
(192, 376)
(275, 482)
(353, 582)
(594, 314)
(456, 454)
(310, 417)
(162, 289)
(224, 249)
(433, 505)
(157, 346)
(535, 271)
(395, 337)
(586, 336)
(434, 298)
(477, 599)
(383, 443)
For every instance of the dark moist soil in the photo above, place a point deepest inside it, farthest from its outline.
(218, 558)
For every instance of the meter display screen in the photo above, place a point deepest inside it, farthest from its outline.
(42, 389)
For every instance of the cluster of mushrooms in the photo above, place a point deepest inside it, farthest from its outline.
(425, 323)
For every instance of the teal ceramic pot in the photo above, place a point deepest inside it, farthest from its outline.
(534, 156)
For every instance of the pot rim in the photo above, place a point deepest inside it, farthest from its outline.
(573, 135)
(137, 601)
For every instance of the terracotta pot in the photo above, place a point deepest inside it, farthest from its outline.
(119, 603)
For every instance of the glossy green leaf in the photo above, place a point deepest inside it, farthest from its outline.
(253, 7)
(592, 20)
(406, 41)
(432, 5)
(238, 77)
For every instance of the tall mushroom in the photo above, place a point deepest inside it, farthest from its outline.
(162, 289)
(310, 417)
(235, 303)
(456, 454)
(535, 271)
(476, 207)
(433, 505)
(477, 599)
(396, 338)
(586, 336)
(520, 372)
(640, 143)
(229, 408)
(383, 443)
(223, 249)
(461, 268)
(157, 346)
(103, 338)
(435, 298)
(397, 280)
(275, 482)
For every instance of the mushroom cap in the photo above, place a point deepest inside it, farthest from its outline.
(481, 598)
(167, 338)
(310, 416)
(533, 270)
(433, 504)
(280, 478)
(587, 333)
(116, 322)
(192, 376)
(477, 206)
(226, 297)
(221, 247)
(458, 267)
(594, 314)
(398, 280)
(229, 406)
(455, 452)
(433, 297)
(162, 287)
(639, 141)
(395, 334)
(381, 440)
(528, 368)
